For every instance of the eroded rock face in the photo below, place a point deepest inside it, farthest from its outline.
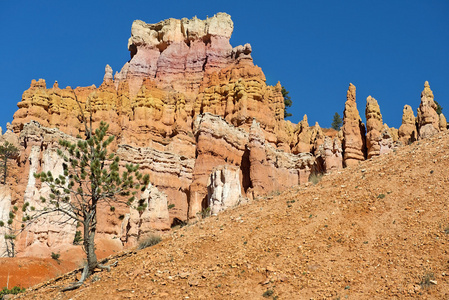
(273, 170)
(353, 131)
(224, 188)
(331, 153)
(239, 94)
(54, 230)
(262, 168)
(5, 208)
(155, 216)
(428, 120)
(218, 144)
(386, 140)
(177, 53)
(170, 173)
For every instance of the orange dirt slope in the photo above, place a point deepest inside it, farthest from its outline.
(378, 230)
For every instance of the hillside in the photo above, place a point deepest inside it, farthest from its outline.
(377, 230)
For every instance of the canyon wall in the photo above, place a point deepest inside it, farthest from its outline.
(197, 115)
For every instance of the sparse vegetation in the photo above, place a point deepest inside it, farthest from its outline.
(439, 107)
(7, 151)
(427, 280)
(337, 122)
(78, 238)
(381, 196)
(287, 102)
(14, 291)
(149, 241)
(315, 178)
(55, 256)
(205, 212)
(268, 293)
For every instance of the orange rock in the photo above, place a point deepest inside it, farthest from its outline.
(428, 120)
(407, 131)
(218, 144)
(442, 122)
(331, 154)
(374, 126)
(272, 170)
(353, 131)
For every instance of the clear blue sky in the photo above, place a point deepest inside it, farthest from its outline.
(314, 48)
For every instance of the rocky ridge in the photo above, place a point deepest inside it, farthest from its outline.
(199, 118)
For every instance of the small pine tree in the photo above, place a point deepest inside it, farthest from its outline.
(337, 122)
(91, 178)
(287, 102)
(439, 108)
(7, 151)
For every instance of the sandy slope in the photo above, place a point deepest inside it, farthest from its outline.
(368, 232)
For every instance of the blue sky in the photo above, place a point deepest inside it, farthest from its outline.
(387, 49)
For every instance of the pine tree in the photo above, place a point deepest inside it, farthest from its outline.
(287, 102)
(91, 178)
(439, 108)
(7, 151)
(337, 122)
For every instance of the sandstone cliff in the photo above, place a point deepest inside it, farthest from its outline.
(197, 115)
(184, 107)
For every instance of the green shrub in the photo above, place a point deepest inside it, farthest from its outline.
(149, 241)
(78, 238)
(55, 256)
(14, 291)
(315, 178)
(205, 212)
(268, 293)
(427, 280)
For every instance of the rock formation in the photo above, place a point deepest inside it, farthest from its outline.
(374, 126)
(331, 154)
(224, 188)
(387, 140)
(197, 115)
(428, 120)
(177, 53)
(5, 208)
(407, 131)
(218, 143)
(442, 122)
(273, 170)
(138, 224)
(353, 131)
